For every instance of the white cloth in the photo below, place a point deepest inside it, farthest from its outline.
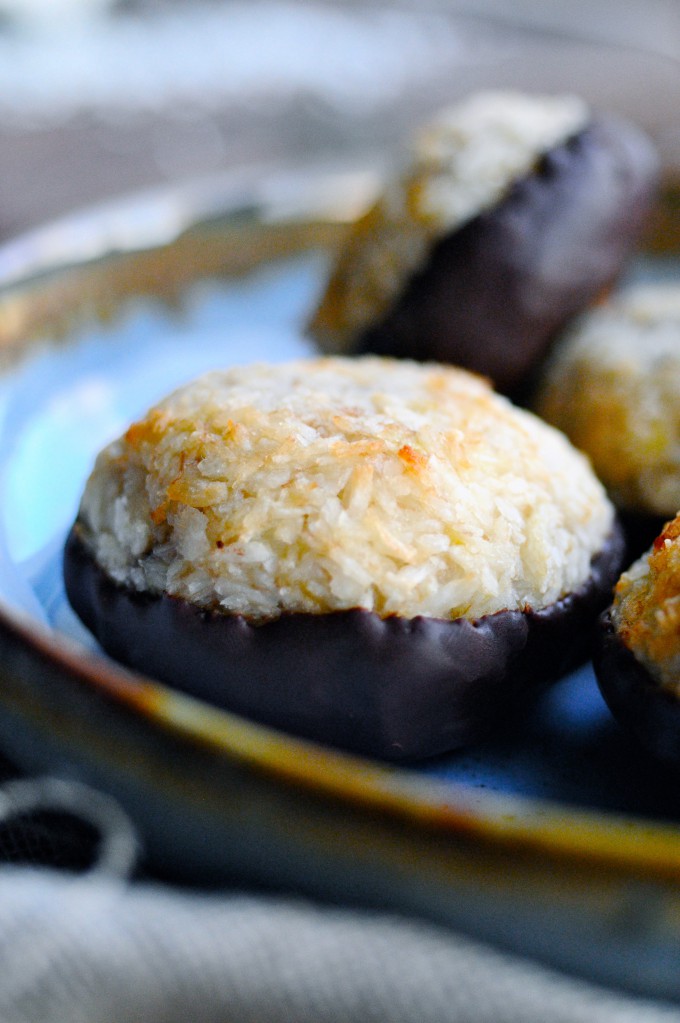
(88, 949)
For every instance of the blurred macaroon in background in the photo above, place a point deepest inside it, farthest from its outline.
(100, 97)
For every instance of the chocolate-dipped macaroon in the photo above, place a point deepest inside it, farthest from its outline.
(377, 554)
(638, 659)
(515, 212)
(612, 385)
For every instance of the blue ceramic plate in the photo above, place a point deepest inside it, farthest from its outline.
(559, 839)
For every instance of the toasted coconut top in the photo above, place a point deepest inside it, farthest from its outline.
(331, 484)
(613, 386)
(646, 610)
(462, 163)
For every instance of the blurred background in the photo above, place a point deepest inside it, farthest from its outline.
(99, 97)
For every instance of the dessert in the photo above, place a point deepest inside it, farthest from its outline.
(515, 213)
(374, 553)
(613, 386)
(638, 659)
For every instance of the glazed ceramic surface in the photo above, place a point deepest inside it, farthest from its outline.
(557, 837)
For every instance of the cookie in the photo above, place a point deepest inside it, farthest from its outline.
(638, 657)
(373, 553)
(514, 213)
(613, 386)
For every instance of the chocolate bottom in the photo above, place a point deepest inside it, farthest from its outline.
(648, 711)
(494, 293)
(394, 688)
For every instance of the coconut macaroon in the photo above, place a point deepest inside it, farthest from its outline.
(613, 386)
(364, 551)
(638, 663)
(646, 608)
(513, 212)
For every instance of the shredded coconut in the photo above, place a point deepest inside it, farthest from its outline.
(646, 609)
(331, 484)
(464, 162)
(613, 386)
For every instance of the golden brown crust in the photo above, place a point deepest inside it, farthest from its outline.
(328, 484)
(646, 608)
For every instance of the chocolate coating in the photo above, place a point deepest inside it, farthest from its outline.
(395, 688)
(650, 712)
(494, 293)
